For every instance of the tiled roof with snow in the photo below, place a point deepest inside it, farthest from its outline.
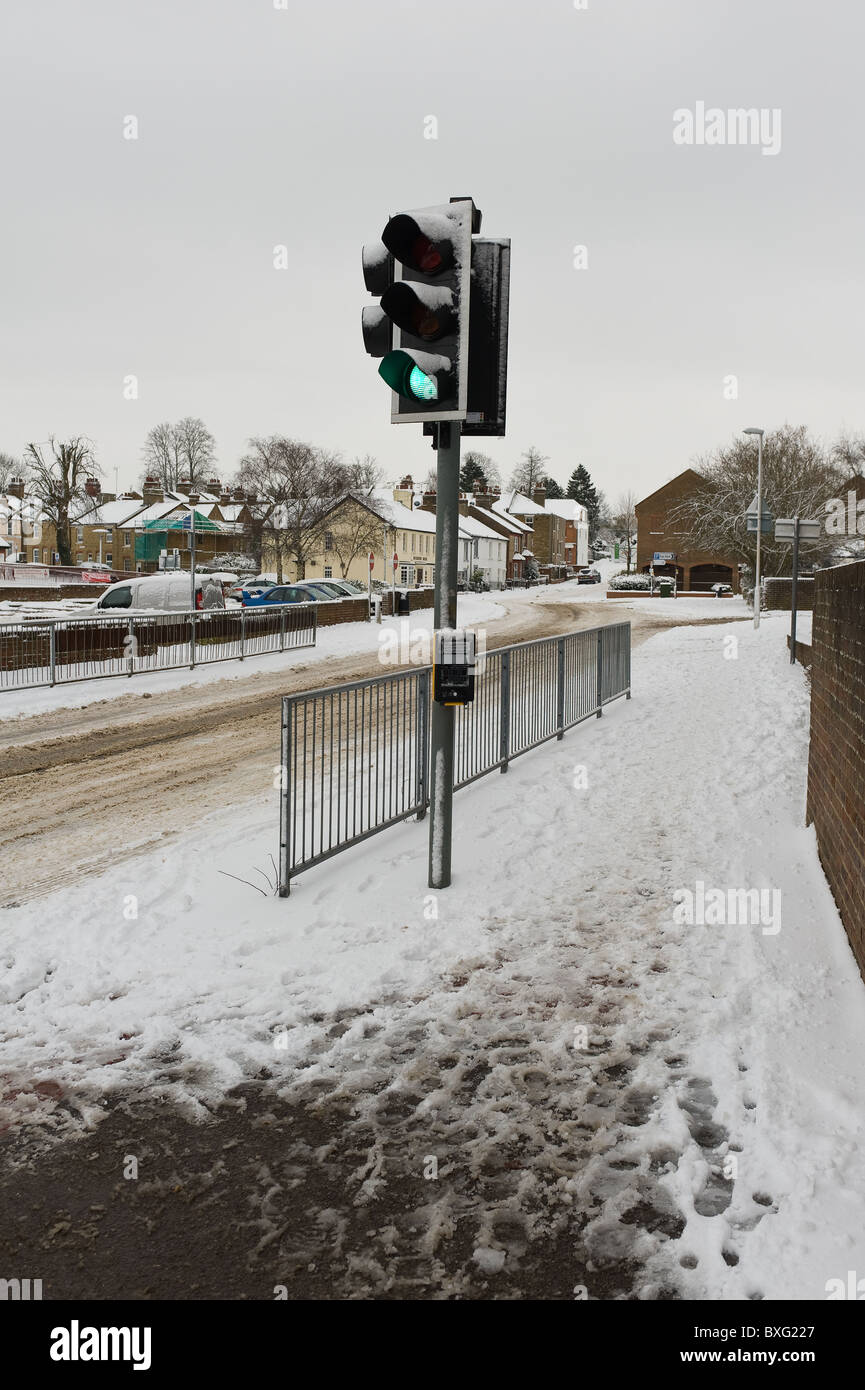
(473, 527)
(518, 505)
(566, 507)
(403, 518)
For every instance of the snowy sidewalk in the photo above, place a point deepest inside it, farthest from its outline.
(555, 1084)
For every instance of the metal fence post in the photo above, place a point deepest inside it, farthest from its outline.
(282, 630)
(130, 638)
(284, 805)
(628, 665)
(423, 691)
(560, 691)
(242, 631)
(191, 640)
(52, 649)
(600, 681)
(505, 715)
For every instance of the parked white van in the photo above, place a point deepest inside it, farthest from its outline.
(166, 592)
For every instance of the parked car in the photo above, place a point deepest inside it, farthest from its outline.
(588, 576)
(320, 588)
(341, 587)
(278, 593)
(722, 590)
(170, 591)
(249, 586)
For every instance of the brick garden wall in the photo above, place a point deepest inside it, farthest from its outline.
(51, 593)
(836, 762)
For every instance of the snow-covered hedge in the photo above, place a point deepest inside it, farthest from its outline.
(630, 581)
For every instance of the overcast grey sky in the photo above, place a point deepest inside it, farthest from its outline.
(305, 126)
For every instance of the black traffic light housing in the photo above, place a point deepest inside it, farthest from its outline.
(421, 269)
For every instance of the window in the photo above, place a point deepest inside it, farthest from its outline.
(328, 540)
(127, 563)
(117, 598)
(79, 558)
(328, 569)
(403, 574)
(127, 539)
(36, 557)
(89, 558)
(80, 535)
(109, 532)
(108, 558)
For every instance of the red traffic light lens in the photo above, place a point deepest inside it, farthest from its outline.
(425, 246)
(426, 256)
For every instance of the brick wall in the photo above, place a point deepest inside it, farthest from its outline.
(417, 598)
(778, 594)
(836, 762)
(34, 593)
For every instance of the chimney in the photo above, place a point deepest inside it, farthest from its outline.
(214, 486)
(151, 490)
(407, 483)
(429, 500)
(483, 495)
(185, 486)
(16, 487)
(539, 494)
(194, 496)
(225, 496)
(238, 494)
(93, 488)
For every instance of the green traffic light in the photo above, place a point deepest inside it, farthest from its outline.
(404, 376)
(424, 387)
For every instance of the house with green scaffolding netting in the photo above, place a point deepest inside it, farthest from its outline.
(170, 537)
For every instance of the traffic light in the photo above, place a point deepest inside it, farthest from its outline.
(421, 271)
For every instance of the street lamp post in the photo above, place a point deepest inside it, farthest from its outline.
(100, 531)
(759, 434)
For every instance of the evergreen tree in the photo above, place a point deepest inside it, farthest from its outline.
(476, 466)
(582, 489)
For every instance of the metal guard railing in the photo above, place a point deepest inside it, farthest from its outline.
(53, 651)
(355, 758)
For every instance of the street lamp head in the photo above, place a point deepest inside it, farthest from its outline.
(753, 431)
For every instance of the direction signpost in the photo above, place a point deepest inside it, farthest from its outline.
(795, 529)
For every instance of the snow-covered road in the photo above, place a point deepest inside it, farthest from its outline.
(541, 1082)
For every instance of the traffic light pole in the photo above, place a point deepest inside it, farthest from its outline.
(445, 616)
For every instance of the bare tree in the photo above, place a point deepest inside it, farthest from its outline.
(624, 520)
(799, 478)
(59, 482)
(353, 530)
(173, 453)
(363, 475)
(530, 472)
(294, 486)
(848, 453)
(10, 467)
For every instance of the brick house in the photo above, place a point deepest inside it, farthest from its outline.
(548, 528)
(694, 569)
(482, 506)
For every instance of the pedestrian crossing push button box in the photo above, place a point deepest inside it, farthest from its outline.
(454, 667)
